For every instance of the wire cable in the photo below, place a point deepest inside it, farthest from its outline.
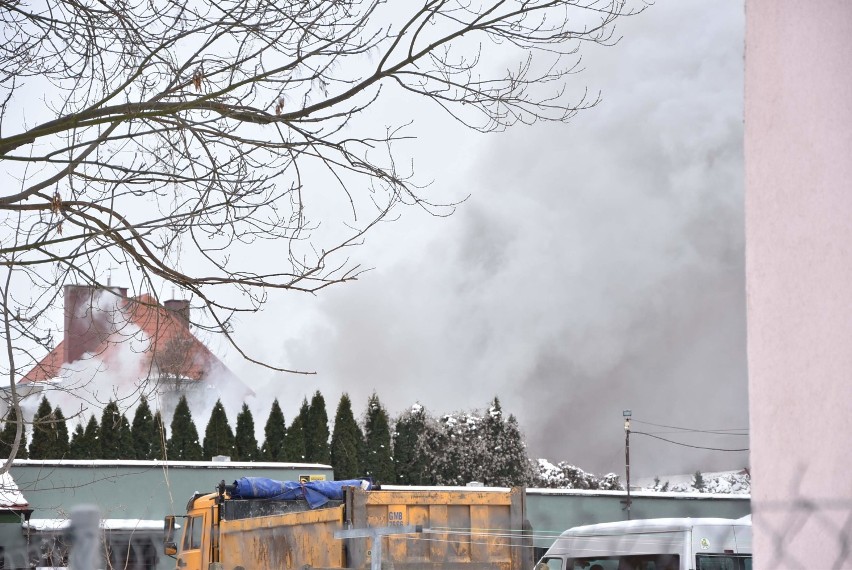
(686, 444)
(726, 431)
(691, 432)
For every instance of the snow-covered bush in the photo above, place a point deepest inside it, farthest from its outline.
(732, 482)
(566, 476)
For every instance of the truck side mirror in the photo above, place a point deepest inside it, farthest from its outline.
(169, 546)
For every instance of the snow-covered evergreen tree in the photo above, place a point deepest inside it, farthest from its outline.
(126, 448)
(144, 433)
(378, 457)
(162, 438)
(75, 447)
(698, 482)
(346, 442)
(218, 436)
(91, 443)
(7, 437)
(509, 463)
(454, 444)
(294, 444)
(245, 445)
(409, 458)
(183, 445)
(316, 431)
(110, 432)
(274, 435)
(476, 446)
(495, 446)
(61, 449)
(433, 444)
(44, 432)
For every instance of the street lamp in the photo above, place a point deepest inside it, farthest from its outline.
(627, 414)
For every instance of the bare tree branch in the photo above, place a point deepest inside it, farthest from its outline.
(164, 140)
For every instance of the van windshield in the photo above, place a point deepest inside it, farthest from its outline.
(635, 562)
(723, 562)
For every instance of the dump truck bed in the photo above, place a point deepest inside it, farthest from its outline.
(463, 530)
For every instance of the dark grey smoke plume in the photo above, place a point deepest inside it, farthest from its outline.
(596, 266)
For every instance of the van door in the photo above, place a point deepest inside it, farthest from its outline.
(190, 557)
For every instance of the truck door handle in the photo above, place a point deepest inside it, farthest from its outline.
(181, 562)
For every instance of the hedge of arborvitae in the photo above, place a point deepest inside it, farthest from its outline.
(416, 448)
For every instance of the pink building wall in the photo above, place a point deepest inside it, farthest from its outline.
(798, 169)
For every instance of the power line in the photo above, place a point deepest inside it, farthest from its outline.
(689, 432)
(686, 444)
(726, 431)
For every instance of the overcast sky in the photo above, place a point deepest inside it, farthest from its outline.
(596, 266)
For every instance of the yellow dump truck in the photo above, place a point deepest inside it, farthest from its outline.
(405, 528)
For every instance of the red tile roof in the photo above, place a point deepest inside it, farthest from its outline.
(172, 348)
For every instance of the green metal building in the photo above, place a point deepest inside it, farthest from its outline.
(133, 498)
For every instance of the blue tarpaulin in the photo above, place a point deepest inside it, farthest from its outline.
(317, 493)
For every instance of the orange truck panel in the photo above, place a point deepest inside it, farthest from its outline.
(283, 541)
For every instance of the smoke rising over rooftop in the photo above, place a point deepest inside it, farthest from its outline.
(595, 267)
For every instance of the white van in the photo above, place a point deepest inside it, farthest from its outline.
(653, 544)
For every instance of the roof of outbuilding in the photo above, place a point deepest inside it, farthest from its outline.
(10, 496)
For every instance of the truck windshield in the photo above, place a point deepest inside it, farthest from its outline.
(192, 533)
(723, 562)
(634, 562)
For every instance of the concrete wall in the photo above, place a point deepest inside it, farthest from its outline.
(798, 157)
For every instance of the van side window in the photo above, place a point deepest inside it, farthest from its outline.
(722, 562)
(192, 533)
(636, 562)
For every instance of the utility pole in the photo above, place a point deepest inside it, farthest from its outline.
(627, 414)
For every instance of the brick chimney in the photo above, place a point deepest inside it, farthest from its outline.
(88, 321)
(180, 307)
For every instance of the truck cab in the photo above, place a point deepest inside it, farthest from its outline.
(194, 546)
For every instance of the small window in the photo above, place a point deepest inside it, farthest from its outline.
(550, 564)
(193, 533)
(628, 562)
(723, 562)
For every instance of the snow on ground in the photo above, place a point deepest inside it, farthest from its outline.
(565, 476)
(43, 525)
(724, 482)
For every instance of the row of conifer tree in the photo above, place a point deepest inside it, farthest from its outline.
(415, 449)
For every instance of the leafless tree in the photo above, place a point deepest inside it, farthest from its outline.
(166, 138)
